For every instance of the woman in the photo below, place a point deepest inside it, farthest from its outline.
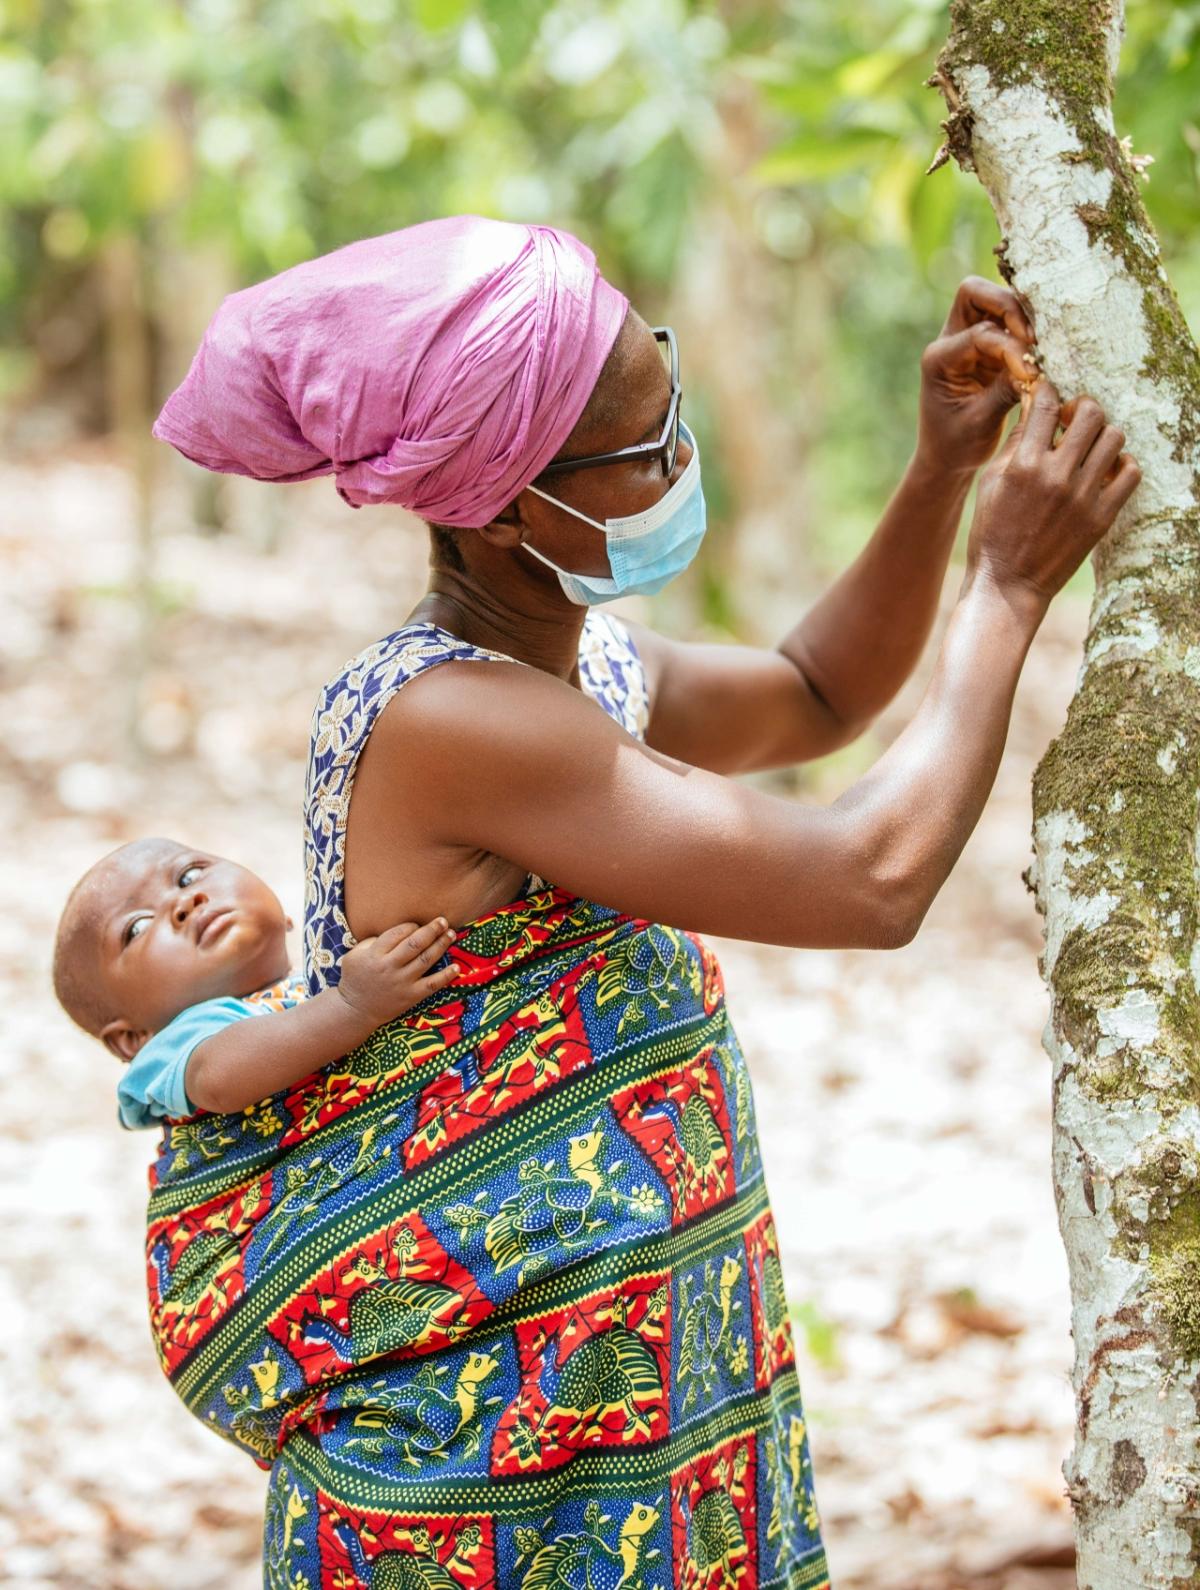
(498, 1300)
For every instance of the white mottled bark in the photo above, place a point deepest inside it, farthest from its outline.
(1122, 955)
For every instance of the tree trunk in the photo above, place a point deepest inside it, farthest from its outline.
(756, 567)
(1029, 87)
(123, 268)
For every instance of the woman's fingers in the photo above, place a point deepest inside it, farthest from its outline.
(1124, 480)
(1003, 351)
(1037, 427)
(979, 299)
(1106, 449)
(1082, 420)
(391, 937)
(982, 346)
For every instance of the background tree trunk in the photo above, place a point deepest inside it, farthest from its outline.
(1029, 87)
(129, 381)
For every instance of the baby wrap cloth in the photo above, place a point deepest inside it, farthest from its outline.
(440, 367)
(497, 1298)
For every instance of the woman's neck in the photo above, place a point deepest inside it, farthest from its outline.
(538, 631)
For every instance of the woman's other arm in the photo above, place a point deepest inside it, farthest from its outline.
(511, 761)
(738, 709)
(381, 978)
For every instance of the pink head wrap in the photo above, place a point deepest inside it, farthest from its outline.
(440, 367)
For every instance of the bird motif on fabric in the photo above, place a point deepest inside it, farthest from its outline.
(422, 1418)
(251, 1402)
(697, 1146)
(585, 1561)
(771, 1290)
(392, 1049)
(208, 1252)
(642, 976)
(743, 1107)
(531, 1052)
(265, 1374)
(284, 1517)
(714, 1531)
(206, 1138)
(792, 1500)
(706, 1329)
(418, 1569)
(495, 940)
(612, 1371)
(548, 1212)
(386, 1314)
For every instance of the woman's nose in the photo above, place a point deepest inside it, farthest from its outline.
(186, 904)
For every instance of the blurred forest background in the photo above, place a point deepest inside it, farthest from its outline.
(755, 166)
(751, 172)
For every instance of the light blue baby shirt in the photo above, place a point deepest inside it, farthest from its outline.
(152, 1085)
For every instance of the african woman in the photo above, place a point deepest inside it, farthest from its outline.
(497, 1298)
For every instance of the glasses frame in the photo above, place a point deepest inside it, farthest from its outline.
(666, 449)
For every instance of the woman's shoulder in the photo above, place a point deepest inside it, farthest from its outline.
(406, 651)
(351, 700)
(610, 670)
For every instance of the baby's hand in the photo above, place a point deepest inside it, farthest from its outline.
(385, 976)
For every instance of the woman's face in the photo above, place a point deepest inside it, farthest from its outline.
(628, 405)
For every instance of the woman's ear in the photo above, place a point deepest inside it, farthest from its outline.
(508, 529)
(121, 1039)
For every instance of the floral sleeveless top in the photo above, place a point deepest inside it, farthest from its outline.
(610, 671)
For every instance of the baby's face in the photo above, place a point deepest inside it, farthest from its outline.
(175, 926)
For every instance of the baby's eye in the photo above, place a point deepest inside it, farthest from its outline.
(192, 872)
(136, 928)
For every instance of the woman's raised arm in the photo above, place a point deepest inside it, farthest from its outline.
(508, 760)
(736, 708)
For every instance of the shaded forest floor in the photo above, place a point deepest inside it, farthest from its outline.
(903, 1098)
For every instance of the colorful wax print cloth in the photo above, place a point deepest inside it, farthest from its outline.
(497, 1298)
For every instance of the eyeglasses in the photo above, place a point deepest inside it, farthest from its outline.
(667, 446)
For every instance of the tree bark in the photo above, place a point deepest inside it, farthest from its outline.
(1029, 87)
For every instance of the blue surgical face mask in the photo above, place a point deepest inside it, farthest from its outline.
(645, 550)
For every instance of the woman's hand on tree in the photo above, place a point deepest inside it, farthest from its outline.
(972, 374)
(1047, 499)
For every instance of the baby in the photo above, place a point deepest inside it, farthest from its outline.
(163, 952)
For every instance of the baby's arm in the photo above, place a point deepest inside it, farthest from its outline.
(381, 978)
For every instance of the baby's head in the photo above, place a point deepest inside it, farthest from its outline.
(157, 926)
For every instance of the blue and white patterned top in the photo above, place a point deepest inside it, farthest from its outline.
(610, 672)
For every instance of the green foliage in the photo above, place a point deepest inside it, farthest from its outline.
(865, 127)
(820, 1335)
(864, 124)
(254, 133)
(858, 128)
(276, 128)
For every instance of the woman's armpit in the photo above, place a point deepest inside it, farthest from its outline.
(399, 867)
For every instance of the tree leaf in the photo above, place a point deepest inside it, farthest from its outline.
(814, 155)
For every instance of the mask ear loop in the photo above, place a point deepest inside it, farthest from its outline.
(588, 584)
(567, 508)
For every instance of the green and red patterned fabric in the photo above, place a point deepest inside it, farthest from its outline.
(497, 1298)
